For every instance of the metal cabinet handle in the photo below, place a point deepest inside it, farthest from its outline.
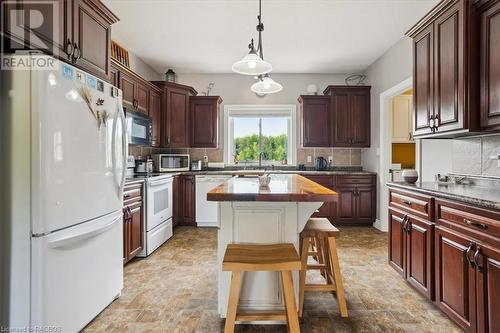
(406, 202)
(77, 53)
(475, 224)
(69, 48)
(476, 261)
(467, 255)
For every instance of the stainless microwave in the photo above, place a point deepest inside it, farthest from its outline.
(139, 128)
(170, 162)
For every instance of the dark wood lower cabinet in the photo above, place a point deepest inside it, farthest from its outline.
(184, 189)
(133, 221)
(357, 198)
(410, 249)
(455, 278)
(454, 256)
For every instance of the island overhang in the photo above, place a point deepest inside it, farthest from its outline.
(282, 188)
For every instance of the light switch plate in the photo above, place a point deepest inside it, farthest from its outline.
(309, 159)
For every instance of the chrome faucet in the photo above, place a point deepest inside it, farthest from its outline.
(260, 159)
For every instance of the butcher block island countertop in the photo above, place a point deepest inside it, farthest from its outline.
(274, 215)
(283, 187)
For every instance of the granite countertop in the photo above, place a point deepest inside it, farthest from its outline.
(481, 196)
(282, 188)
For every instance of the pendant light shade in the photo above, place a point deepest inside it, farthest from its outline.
(252, 64)
(266, 85)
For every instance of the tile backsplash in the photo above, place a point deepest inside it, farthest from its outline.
(341, 156)
(473, 156)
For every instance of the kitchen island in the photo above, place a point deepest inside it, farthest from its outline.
(251, 214)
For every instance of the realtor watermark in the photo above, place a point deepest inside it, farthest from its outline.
(31, 26)
(31, 329)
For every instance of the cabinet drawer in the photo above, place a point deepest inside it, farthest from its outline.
(355, 180)
(480, 223)
(132, 191)
(417, 204)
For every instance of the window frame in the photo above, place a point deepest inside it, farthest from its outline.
(285, 110)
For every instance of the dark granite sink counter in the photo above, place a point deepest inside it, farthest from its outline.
(481, 196)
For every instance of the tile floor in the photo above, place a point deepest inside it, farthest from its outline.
(174, 290)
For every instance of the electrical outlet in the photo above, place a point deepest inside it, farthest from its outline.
(309, 159)
(330, 159)
(205, 159)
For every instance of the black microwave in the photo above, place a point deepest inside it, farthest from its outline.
(139, 128)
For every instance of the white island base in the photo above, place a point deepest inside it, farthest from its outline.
(259, 222)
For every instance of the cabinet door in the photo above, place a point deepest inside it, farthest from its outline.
(142, 97)
(419, 245)
(341, 133)
(316, 121)
(177, 124)
(189, 196)
(154, 113)
(114, 76)
(204, 120)
(128, 86)
(346, 205)
(126, 233)
(488, 289)
(177, 192)
(397, 241)
(490, 67)
(455, 278)
(92, 36)
(449, 68)
(135, 228)
(423, 81)
(402, 119)
(359, 105)
(365, 204)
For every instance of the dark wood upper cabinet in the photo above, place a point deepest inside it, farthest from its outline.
(446, 71)
(204, 121)
(92, 36)
(490, 66)
(128, 85)
(175, 129)
(423, 45)
(316, 121)
(142, 100)
(350, 115)
(84, 38)
(114, 75)
(154, 113)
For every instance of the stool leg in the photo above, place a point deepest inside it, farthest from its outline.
(303, 273)
(291, 308)
(232, 306)
(322, 255)
(332, 245)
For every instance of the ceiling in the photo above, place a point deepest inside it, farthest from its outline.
(300, 36)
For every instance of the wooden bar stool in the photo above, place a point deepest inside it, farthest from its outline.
(281, 258)
(318, 240)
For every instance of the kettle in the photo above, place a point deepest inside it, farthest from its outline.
(320, 163)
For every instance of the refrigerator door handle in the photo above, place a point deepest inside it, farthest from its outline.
(124, 143)
(61, 242)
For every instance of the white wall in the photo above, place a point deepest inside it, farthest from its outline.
(235, 88)
(143, 69)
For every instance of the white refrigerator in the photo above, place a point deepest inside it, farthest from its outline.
(66, 175)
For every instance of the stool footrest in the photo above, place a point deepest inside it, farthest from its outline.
(316, 266)
(261, 316)
(319, 287)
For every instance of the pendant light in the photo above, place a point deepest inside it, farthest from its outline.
(266, 85)
(253, 63)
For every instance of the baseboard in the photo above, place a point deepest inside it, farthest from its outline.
(378, 225)
(207, 224)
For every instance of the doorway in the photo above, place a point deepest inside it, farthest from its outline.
(396, 142)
